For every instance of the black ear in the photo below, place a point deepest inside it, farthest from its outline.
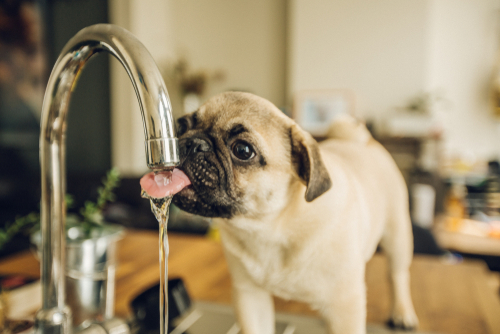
(306, 159)
(186, 122)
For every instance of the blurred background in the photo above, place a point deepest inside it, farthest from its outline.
(424, 75)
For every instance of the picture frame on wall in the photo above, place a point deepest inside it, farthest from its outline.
(314, 110)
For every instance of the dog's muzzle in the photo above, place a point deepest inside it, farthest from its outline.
(197, 161)
(208, 179)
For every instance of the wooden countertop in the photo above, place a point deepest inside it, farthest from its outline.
(449, 298)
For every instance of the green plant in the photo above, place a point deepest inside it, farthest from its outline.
(19, 225)
(423, 103)
(90, 214)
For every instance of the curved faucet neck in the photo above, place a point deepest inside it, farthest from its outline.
(159, 131)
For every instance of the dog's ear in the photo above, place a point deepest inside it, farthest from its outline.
(306, 160)
(187, 122)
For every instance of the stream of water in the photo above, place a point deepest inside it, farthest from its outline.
(160, 208)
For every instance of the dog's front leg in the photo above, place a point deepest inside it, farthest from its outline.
(254, 305)
(254, 310)
(346, 311)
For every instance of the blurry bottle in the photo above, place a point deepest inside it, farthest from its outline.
(455, 206)
(423, 199)
(492, 195)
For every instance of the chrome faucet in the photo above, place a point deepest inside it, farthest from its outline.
(161, 148)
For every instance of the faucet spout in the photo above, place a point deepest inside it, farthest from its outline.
(159, 131)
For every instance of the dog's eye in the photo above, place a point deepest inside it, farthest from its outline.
(243, 150)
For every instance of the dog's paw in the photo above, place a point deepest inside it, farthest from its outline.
(409, 322)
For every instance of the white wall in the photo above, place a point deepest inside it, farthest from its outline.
(388, 51)
(463, 53)
(372, 47)
(149, 21)
(245, 39)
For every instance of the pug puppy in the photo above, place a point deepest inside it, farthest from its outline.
(297, 219)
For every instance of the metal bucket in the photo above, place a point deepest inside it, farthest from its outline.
(90, 274)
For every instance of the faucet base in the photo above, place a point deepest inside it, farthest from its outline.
(53, 321)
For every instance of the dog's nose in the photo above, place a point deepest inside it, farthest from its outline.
(195, 145)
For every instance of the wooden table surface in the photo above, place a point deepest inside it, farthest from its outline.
(448, 298)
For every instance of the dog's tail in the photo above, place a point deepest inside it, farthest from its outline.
(346, 127)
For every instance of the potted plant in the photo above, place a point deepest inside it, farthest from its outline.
(190, 84)
(90, 254)
(416, 118)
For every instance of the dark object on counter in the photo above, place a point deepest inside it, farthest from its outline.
(424, 242)
(18, 326)
(146, 306)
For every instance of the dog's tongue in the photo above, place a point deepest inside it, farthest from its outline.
(164, 184)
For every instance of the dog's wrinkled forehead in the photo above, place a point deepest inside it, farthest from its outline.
(238, 112)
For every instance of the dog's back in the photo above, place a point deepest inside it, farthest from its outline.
(384, 188)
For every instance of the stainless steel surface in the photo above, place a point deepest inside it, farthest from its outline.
(159, 152)
(116, 326)
(110, 326)
(161, 147)
(210, 318)
(93, 329)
